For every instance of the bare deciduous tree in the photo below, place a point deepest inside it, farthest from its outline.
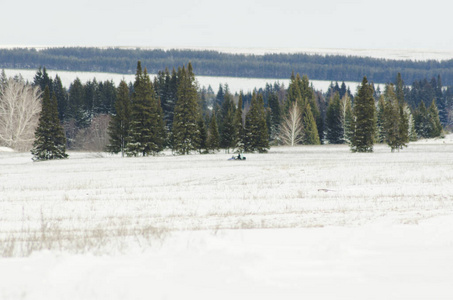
(292, 128)
(95, 137)
(20, 105)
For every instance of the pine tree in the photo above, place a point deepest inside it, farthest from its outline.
(364, 119)
(185, 130)
(49, 135)
(213, 135)
(120, 122)
(334, 121)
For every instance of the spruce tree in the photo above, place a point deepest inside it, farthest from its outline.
(396, 123)
(364, 119)
(43, 80)
(185, 130)
(380, 119)
(239, 127)
(399, 89)
(77, 110)
(391, 118)
(256, 133)
(421, 117)
(435, 127)
(213, 142)
(120, 122)
(203, 144)
(227, 129)
(50, 142)
(334, 121)
(311, 136)
(146, 136)
(403, 127)
(294, 89)
(62, 98)
(275, 115)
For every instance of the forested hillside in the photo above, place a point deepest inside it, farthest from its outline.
(213, 63)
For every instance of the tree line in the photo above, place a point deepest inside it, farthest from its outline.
(171, 111)
(214, 63)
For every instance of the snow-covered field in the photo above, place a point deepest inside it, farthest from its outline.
(307, 222)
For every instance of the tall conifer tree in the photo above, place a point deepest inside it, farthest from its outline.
(203, 141)
(380, 120)
(364, 119)
(311, 136)
(334, 121)
(275, 115)
(435, 127)
(239, 127)
(256, 133)
(146, 129)
(50, 142)
(227, 130)
(185, 130)
(120, 122)
(213, 134)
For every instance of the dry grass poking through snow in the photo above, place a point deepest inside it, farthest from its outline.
(101, 203)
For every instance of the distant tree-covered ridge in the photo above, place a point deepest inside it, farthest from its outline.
(214, 63)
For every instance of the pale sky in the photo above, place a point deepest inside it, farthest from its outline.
(357, 24)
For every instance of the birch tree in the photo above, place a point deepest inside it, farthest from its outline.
(20, 106)
(292, 128)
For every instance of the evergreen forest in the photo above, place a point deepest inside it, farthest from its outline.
(214, 63)
(170, 111)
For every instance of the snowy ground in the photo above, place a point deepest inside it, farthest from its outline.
(297, 223)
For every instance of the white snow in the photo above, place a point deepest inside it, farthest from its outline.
(6, 149)
(306, 222)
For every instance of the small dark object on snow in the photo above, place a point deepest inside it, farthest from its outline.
(238, 157)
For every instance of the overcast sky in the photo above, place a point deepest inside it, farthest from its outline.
(359, 24)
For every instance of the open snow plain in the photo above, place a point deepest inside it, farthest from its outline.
(297, 223)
